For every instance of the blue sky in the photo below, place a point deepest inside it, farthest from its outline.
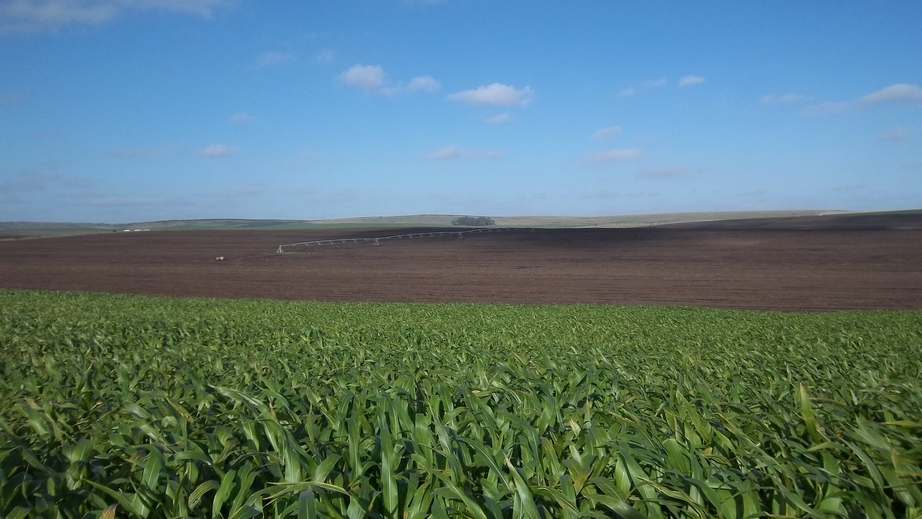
(122, 111)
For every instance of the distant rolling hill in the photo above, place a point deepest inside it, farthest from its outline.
(792, 219)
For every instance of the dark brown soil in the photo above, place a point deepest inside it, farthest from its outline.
(759, 267)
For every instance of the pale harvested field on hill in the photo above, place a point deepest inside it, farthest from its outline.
(788, 267)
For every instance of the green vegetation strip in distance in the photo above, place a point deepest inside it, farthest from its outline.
(131, 406)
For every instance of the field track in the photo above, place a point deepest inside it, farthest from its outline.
(754, 266)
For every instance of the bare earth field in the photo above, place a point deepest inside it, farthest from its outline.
(784, 265)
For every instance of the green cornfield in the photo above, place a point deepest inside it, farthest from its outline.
(129, 406)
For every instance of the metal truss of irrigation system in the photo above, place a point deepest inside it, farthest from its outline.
(336, 241)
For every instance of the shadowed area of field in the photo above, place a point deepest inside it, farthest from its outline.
(888, 221)
(760, 266)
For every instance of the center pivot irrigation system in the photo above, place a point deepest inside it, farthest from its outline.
(337, 241)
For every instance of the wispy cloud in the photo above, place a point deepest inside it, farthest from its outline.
(895, 134)
(663, 172)
(496, 94)
(373, 80)
(901, 92)
(365, 77)
(898, 93)
(502, 118)
(690, 81)
(604, 133)
(240, 119)
(325, 56)
(423, 84)
(823, 109)
(215, 150)
(27, 16)
(456, 152)
(270, 59)
(615, 155)
(650, 84)
(773, 99)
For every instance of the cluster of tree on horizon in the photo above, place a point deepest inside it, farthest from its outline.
(473, 221)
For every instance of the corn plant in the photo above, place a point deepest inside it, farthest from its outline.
(126, 406)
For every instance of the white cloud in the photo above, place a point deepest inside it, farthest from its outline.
(902, 92)
(372, 79)
(502, 118)
(240, 119)
(646, 85)
(604, 133)
(25, 16)
(423, 84)
(690, 81)
(773, 99)
(455, 152)
(325, 56)
(448, 152)
(615, 155)
(215, 150)
(895, 134)
(823, 109)
(496, 94)
(663, 172)
(268, 59)
(366, 77)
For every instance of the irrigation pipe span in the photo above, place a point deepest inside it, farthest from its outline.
(459, 234)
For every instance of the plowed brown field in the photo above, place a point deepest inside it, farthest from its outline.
(758, 268)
